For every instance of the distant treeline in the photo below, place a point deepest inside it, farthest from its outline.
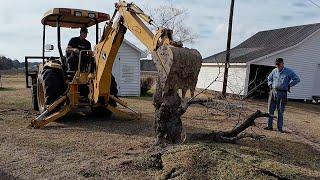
(7, 64)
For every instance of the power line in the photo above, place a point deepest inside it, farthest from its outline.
(314, 3)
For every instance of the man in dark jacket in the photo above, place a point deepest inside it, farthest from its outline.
(76, 45)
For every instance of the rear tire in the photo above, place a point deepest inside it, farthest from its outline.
(50, 86)
(40, 94)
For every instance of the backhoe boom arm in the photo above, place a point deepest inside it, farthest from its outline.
(171, 60)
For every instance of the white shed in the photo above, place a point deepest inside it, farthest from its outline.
(252, 60)
(126, 69)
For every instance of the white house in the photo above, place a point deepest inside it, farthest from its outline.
(126, 69)
(252, 60)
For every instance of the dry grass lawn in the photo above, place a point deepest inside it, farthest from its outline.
(79, 147)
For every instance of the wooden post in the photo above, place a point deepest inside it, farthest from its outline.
(226, 66)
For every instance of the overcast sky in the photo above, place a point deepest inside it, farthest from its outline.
(21, 30)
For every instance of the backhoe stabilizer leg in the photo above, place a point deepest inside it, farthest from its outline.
(37, 124)
(123, 114)
(122, 103)
(42, 119)
(42, 116)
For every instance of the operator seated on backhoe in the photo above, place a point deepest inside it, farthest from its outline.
(75, 45)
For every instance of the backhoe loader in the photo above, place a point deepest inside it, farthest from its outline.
(60, 91)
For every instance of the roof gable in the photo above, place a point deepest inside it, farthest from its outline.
(143, 54)
(266, 42)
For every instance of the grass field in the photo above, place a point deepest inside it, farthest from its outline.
(79, 147)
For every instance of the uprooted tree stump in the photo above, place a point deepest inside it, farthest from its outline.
(168, 112)
(178, 68)
(233, 135)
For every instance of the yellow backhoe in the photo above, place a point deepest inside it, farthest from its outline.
(59, 91)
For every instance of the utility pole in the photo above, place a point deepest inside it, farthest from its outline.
(0, 81)
(226, 66)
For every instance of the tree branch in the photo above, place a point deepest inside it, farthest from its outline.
(247, 123)
(234, 135)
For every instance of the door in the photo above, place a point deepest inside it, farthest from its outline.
(130, 79)
(316, 83)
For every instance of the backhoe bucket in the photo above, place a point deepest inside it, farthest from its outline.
(178, 67)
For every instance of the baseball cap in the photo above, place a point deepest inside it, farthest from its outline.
(84, 29)
(279, 60)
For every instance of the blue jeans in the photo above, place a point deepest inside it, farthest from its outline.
(277, 100)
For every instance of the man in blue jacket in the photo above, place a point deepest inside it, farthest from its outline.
(280, 80)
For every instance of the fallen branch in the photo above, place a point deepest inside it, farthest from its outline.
(247, 123)
(233, 135)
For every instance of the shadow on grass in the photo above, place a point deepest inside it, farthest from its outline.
(275, 149)
(285, 151)
(313, 108)
(146, 96)
(5, 175)
(6, 89)
(241, 161)
(90, 122)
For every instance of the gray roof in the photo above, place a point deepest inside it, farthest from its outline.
(264, 43)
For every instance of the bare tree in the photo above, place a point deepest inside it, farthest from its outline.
(173, 18)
